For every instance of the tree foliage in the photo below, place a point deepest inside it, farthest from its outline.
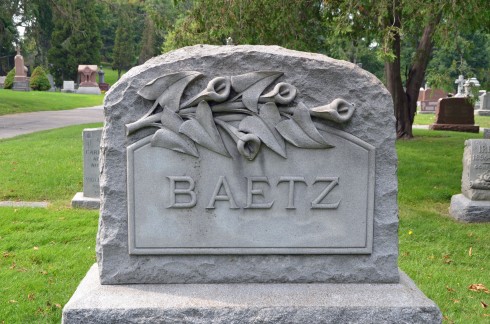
(75, 38)
(9, 80)
(123, 51)
(293, 25)
(39, 80)
(392, 23)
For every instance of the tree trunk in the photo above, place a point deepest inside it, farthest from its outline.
(405, 100)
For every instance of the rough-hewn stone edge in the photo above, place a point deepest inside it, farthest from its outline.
(245, 303)
(80, 201)
(469, 211)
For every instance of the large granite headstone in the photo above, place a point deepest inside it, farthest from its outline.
(2, 81)
(473, 204)
(429, 99)
(455, 114)
(248, 183)
(90, 197)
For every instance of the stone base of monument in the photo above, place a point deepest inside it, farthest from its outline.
(482, 112)
(456, 127)
(80, 201)
(89, 90)
(21, 86)
(425, 112)
(246, 303)
(469, 211)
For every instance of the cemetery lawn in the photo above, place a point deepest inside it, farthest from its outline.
(45, 253)
(12, 102)
(427, 119)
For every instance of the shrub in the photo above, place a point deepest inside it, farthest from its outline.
(39, 81)
(9, 80)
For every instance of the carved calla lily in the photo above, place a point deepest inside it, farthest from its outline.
(248, 145)
(338, 111)
(283, 93)
(217, 90)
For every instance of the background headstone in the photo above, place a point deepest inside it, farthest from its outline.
(484, 105)
(90, 197)
(473, 204)
(202, 167)
(21, 82)
(88, 83)
(486, 133)
(2, 81)
(51, 82)
(455, 114)
(429, 100)
(68, 86)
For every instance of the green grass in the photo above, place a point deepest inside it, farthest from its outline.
(435, 249)
(12, 102)
(110, 75)
(427, 119)
(46, 252)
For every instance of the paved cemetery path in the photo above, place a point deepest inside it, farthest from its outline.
(25, 123)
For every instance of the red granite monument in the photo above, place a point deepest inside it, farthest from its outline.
(88, 79)
(429, 98)
(455, 114)
(21, 82)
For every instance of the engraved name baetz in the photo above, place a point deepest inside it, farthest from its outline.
(256, 194)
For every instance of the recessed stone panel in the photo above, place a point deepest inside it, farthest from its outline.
(317, 201)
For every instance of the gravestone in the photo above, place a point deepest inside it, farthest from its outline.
(473, 204)
(21, 82)
(51, 83)
(486, 133)
(2, 81)
(248, 183)
(68, 86)
(455, 114)
(90, 197)
(88, 83)
(484, 105)
(102, 85)
(430, 97)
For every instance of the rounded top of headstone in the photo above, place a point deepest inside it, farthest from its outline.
(319, 80)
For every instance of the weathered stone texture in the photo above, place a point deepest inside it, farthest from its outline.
(319, 80)
(249, 303)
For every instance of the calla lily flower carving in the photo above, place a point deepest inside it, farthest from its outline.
(238, 106)
(338, 111)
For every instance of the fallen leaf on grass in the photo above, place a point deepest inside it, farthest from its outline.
(6, 254)
(470, 251)
(455, 301)
(450, 289)
(12, 301)
(44, 272)
(30, 296)
(483, 304)
(478, 287)
(12, 267)
(486, 315)
(57, 305)
(36, 248)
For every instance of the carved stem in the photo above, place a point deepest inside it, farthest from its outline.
(142, 123)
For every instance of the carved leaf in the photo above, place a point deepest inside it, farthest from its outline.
(177, 142)
(167, 90)
(202, 130)
(264, 128)
(170, 138)
(251, 85)
(300, 131)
